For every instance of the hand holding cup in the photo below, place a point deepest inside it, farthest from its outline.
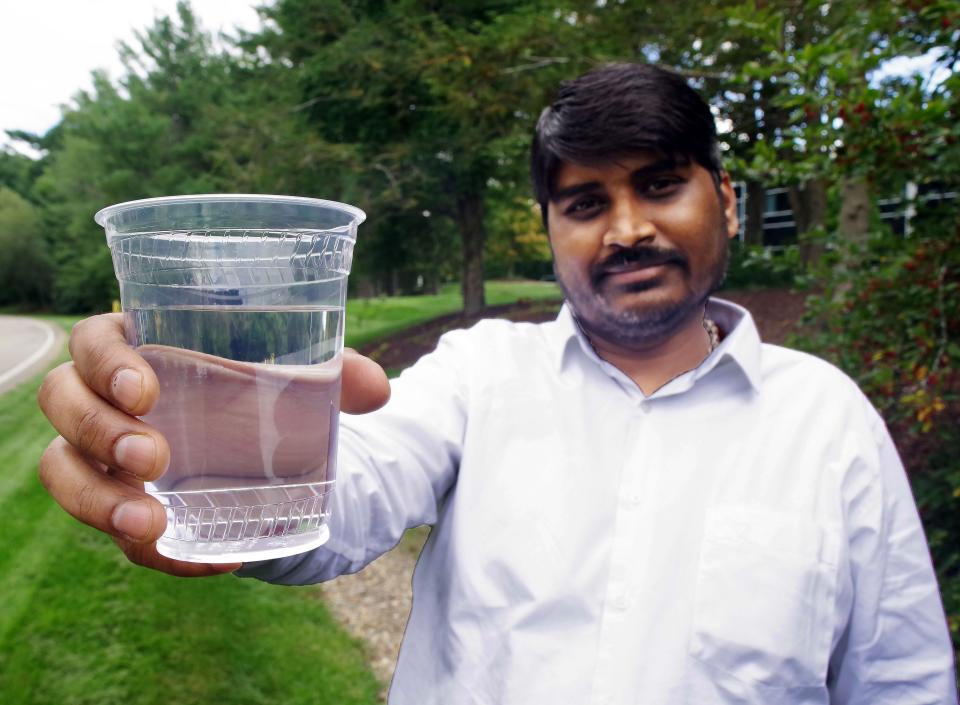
(96, 468)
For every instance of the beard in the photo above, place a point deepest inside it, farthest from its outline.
(648, 324)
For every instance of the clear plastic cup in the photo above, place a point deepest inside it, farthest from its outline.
(237, 302)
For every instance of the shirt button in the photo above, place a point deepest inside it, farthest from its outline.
(620, 603)
(632, 501)
(645, 406)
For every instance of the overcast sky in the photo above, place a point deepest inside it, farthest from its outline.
(49, 47)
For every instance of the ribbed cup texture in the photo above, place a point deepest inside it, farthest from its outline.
(198, 517)
(231, 258)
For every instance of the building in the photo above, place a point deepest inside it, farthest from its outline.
(780, 230)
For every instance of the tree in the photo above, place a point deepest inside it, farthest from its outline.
(818, 59)
(154, 133)
(434, 100)
(17, 172)
(25, 268)
(776, 71)
(518, 245)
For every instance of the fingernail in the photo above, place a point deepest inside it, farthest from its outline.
(136, 453)
(133, 519)
(127, 388)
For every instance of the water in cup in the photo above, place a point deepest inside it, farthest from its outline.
(237, 302)
(249, 413)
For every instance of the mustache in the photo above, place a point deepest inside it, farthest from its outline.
(636, 257)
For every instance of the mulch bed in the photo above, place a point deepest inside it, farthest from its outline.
(775, 311)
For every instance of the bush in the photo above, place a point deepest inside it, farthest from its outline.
(758, 267)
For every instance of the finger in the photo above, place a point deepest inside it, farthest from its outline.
(97, 499)
(116, 506)
(365, 386)
(99, 430)
(110, 367)
(146, 554)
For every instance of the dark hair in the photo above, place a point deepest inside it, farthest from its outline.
(618, 110)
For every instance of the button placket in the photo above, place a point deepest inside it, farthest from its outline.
(629, 546)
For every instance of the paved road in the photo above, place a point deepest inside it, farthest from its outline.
(27, 347)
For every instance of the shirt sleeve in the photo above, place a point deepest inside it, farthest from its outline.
(394, 468)
(896, 648)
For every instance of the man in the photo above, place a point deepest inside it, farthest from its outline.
(636, 503)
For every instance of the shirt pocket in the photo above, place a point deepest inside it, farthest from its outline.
(765, 592)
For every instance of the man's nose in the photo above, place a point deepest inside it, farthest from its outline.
(629, 223)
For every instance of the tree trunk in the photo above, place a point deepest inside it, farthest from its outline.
(808, 201)
(854, 226)
(855, 210)
(470, 212)
(753, 228)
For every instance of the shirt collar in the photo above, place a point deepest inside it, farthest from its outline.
(741, 343)
(562, 334)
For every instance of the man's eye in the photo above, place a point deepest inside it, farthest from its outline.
(663, 186)
(584, 206)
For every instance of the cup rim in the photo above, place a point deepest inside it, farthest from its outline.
(102, 215)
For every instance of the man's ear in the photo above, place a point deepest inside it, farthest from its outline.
(728, 198)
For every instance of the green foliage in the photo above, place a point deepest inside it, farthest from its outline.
(434, 101)
(152, 135)
(518, 245)
(894, 324)
(25, 267)
(17, 172)
(409, 110)
(757, 267)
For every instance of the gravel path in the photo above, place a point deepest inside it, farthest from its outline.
(373, 605)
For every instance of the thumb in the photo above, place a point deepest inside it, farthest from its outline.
(365, 386)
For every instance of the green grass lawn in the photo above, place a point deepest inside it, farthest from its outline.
(369, 319)
(79, 625)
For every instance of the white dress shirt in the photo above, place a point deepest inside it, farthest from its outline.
(746, 534)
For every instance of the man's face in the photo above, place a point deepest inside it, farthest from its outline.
(639, 244)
